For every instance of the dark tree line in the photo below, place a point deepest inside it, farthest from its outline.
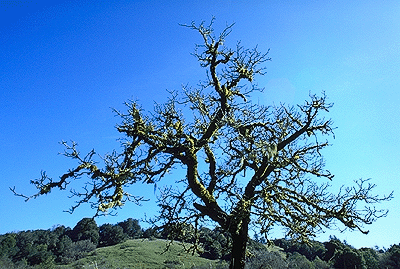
(338, 254)
(63, 245)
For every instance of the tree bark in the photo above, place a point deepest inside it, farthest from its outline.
(239, 238)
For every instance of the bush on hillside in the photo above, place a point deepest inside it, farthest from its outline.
(131, 228)
(263, 259)
(76, 251)
(85, 229)
(111, 235)
(343, 255)
(371, 257)
(296, 260)
(216, 243)
(391, 258)
(311, 251)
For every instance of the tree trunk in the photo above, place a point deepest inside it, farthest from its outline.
(239, 237)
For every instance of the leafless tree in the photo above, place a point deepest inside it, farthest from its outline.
(245, 163)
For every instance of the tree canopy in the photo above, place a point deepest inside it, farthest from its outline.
(245, 163)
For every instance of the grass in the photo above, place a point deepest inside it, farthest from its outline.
(142, 254)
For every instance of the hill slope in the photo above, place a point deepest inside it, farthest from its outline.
(142, 253)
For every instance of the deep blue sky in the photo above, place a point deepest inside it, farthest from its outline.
(65, 64)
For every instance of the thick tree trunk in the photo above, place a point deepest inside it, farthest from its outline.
(239, 246)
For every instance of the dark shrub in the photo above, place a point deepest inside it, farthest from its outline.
(8, 246)
(111, 235)
(371, 258)
(216, 243)
(131, 228)
(39, 255)
(85, 229)
(320, 264)
(311, 251)
(296, 260)
(152, 233)
(391, 259)
(63, 246)
(77, 250)
(266, 260)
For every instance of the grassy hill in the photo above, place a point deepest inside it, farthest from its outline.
(143, 254)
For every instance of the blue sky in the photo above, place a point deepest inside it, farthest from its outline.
(65, 64)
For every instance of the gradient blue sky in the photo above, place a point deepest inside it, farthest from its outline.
(65, 64)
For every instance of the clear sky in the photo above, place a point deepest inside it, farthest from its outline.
(65, 64)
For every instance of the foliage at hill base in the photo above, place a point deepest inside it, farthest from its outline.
(127, 245)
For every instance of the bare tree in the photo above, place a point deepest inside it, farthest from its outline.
(245, 163)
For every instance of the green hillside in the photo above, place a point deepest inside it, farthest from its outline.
(107, 247)
(142, 253)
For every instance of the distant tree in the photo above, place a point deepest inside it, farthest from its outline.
(85, 229)
(40, 254)
(296, 260)
(243, 161)
(6, 262)
(320, 264)
(343, 256)
(391, 258)
(216, 243)
(152, 233)
(8, 246)
(111, 235)
(349, 258)
(371, 258)
(266, 260)
(131, 228)
(25, 241)
(311, 250)
(179, 231)
(260, 239)
(63, 246)
(395, 255)
(60, 230)
(77, 250)
(331, 246)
